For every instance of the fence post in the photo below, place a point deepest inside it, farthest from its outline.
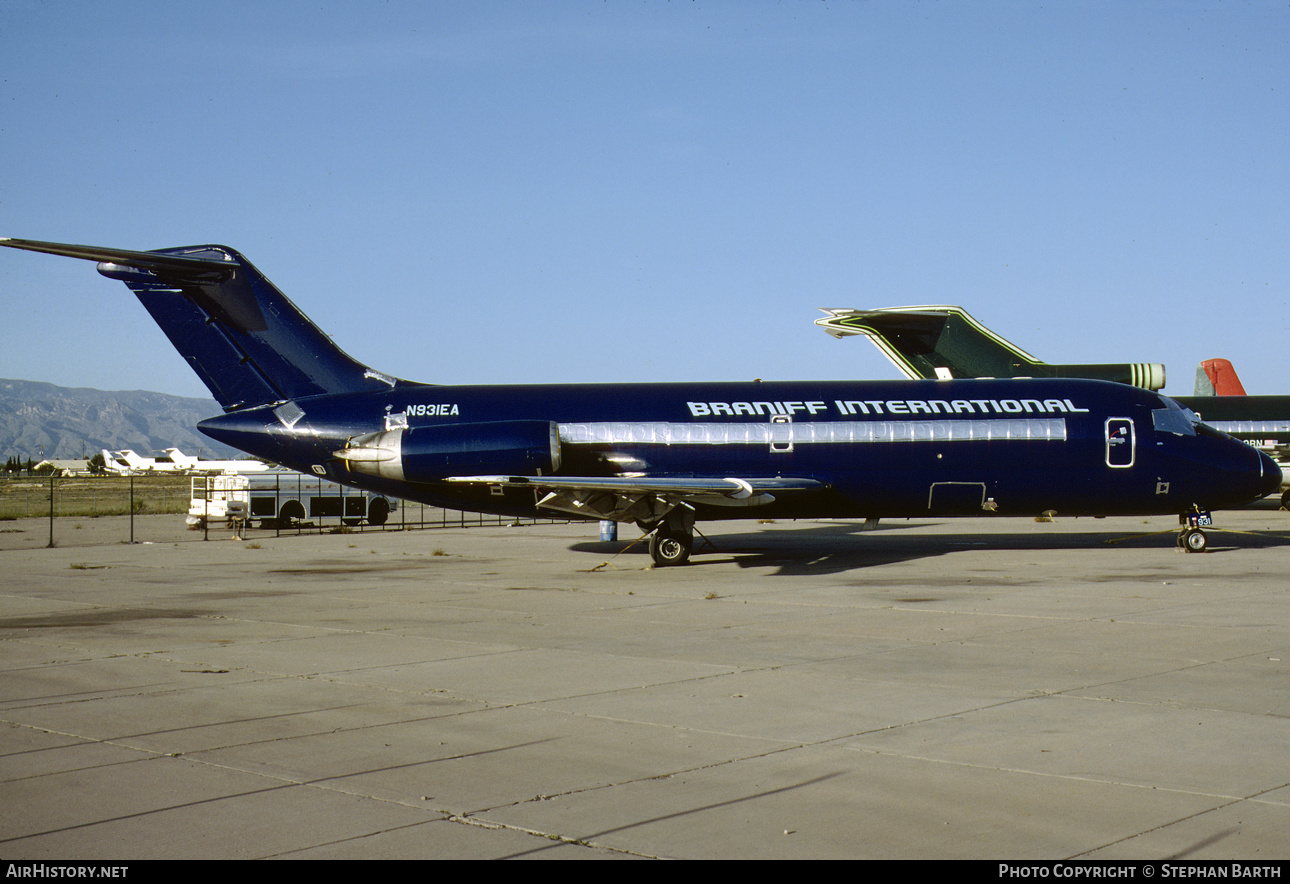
(51, 509)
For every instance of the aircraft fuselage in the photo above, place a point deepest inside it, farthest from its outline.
(878, 449)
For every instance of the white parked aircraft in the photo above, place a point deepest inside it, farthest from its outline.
(175, 461)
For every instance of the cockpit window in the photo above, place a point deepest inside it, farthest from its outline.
(1175, 419)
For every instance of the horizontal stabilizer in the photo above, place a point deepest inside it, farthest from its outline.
(197, 268)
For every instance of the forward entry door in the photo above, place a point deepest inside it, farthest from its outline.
(1121, 442)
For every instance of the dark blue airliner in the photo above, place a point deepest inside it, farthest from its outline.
(666, 455)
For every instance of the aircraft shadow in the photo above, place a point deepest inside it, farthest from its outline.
(839, 547)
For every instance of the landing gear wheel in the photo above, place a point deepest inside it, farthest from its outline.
(1193, 540)
(670, 547)
(1285, 500)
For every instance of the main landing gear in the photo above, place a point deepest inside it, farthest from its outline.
(673, 538)
(669, 547)
(1191, 539)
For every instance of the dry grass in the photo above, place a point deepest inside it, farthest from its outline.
(95, 496)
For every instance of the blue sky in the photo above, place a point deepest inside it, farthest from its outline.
(570, 191)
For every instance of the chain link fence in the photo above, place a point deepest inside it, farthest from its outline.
(75, 499)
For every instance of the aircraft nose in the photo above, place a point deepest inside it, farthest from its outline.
(1233, 473)
(1270, 477)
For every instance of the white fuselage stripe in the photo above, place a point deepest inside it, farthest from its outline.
(808, 433)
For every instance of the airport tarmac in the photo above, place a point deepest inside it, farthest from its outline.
(974, 688)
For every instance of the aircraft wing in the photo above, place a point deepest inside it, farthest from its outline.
(644, 499)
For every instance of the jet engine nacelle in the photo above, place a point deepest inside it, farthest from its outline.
(1147, 375)
(433, 453)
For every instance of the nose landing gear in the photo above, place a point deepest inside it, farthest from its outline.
(1191, 539)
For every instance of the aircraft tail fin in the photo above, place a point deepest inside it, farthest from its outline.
(1217, 377)
(934, 341)
(183, 460)
(943, 341)
(242, 336)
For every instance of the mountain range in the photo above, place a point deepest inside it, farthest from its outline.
(44, 421)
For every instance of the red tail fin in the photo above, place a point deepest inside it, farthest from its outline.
(1222, 378)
